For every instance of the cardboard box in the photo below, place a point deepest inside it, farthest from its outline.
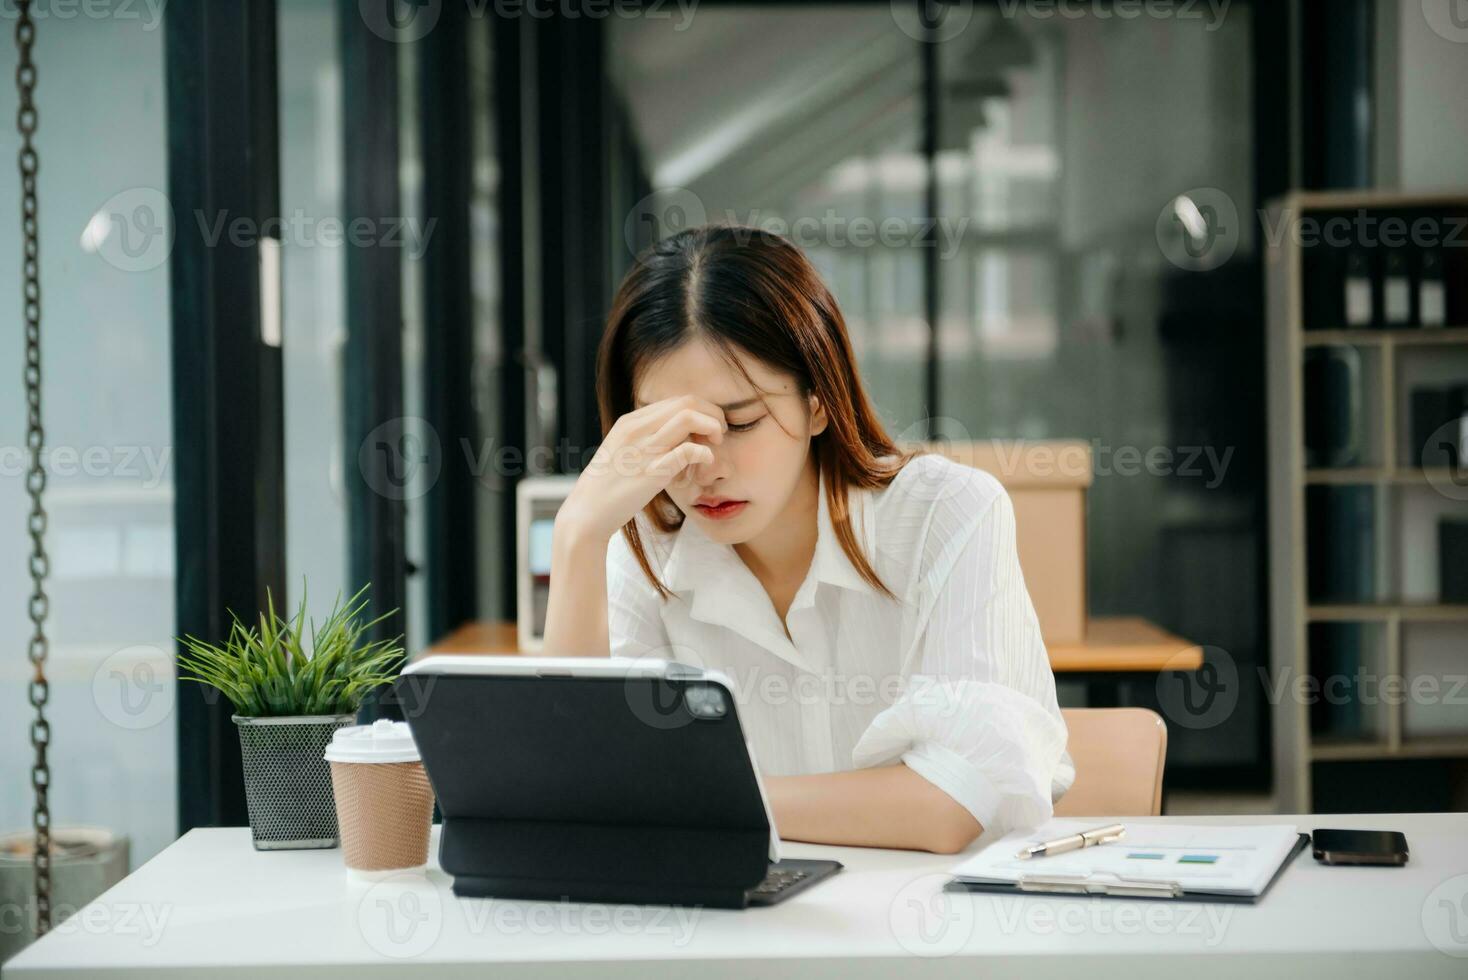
(1047, 480)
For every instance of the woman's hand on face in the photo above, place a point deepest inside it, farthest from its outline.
(645, 451)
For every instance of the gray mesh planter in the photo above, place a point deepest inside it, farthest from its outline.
(287, 780)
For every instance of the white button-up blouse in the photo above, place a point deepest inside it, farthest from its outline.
(952, 678)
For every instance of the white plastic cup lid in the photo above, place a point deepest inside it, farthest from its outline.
(384, 740)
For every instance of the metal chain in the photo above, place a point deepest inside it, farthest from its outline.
(35, 482)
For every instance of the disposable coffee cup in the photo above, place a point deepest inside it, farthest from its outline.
(384, 804)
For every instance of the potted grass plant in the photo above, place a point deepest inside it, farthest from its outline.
(293, 683)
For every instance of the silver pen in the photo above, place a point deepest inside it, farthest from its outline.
(1086, 838)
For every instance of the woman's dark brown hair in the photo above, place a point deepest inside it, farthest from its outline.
(746, 289)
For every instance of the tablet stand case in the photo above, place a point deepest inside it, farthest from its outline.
(588, 789)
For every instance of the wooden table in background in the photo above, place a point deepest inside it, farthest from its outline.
(1125, 644)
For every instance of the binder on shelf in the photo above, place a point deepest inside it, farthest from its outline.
(1452, 560)
(1439, 427)
(1338, 650)
(1396, 289)
(1323, 276)
(1359, 299)
(1432, 306)
(1334, 427)
(1340, 544)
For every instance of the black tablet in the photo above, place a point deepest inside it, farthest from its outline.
(595, 779)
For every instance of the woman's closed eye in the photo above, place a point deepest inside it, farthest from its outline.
(745, 426)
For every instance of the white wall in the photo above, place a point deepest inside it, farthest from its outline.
(1431, 118)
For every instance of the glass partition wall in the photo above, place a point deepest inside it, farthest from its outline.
(1023, 171)
(104, 246)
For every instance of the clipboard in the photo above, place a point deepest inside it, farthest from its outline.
(1116, 886)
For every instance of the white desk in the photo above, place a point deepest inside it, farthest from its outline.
(210, 906)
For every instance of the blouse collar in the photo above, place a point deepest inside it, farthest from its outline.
(726, 592)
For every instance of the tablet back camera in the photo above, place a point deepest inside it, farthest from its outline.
(705, 701)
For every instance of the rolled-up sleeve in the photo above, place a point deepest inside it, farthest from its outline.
(977, 715)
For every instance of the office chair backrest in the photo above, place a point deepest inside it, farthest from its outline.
(1118, 755)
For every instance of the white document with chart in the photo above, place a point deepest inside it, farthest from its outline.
(1161, 860)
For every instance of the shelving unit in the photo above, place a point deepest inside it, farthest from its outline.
(1292, 614)
(1386, 338)
(1356, 475)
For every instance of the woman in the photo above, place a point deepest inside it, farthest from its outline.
(866, 602)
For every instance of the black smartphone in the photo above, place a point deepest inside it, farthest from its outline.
(1359, 847)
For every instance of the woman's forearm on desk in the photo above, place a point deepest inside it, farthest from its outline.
(576, 611)
(887, 806)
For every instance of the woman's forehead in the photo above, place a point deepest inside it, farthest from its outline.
(699, 369)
